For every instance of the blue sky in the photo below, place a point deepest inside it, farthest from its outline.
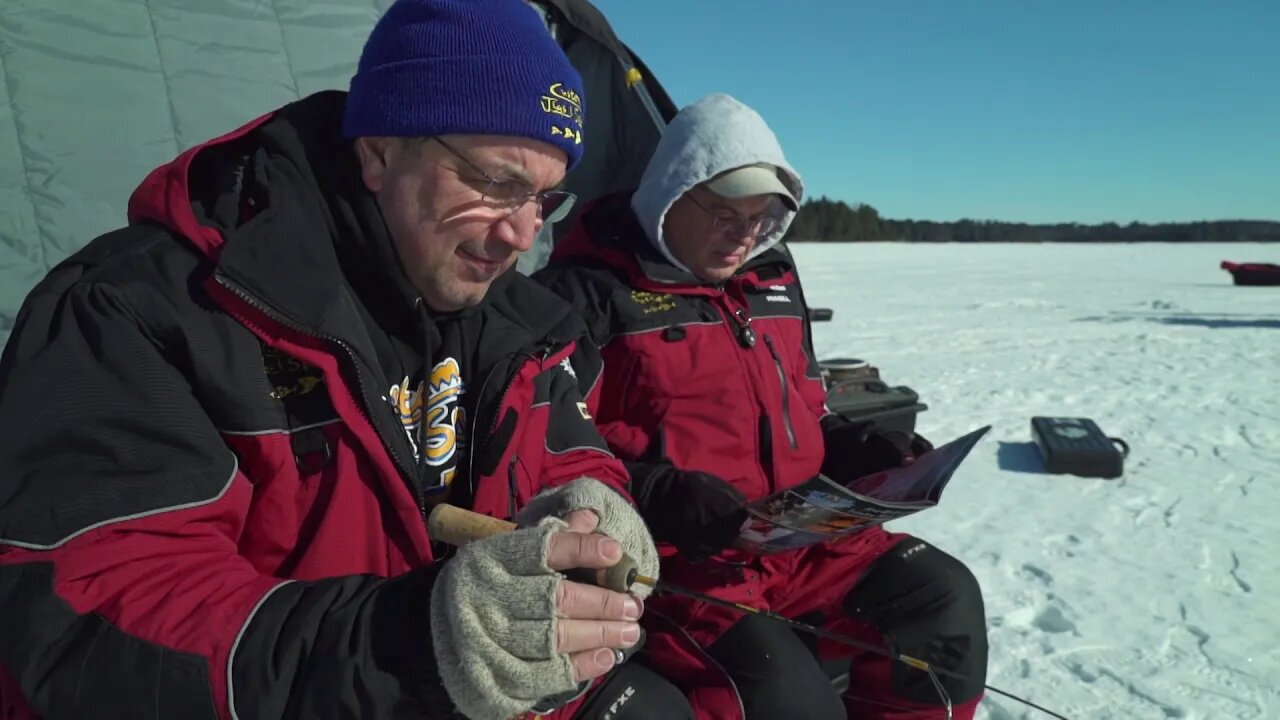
(1031, 111)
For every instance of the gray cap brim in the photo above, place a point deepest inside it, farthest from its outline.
(752, 180)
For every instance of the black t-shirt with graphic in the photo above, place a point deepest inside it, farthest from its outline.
(425, 358)
(428, 390)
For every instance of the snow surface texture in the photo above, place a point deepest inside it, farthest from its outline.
(1150, 596)
(95, 93)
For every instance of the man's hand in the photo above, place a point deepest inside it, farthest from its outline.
(510, 631)
(697, 512)
(594, 621)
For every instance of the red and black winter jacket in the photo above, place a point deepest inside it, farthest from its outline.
(719, 379)
(207, 510)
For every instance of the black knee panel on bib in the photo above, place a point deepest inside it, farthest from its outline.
(929, 605)
(635, 692)
(776, 674)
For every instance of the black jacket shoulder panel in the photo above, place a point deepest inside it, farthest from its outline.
(587, 285)
(99, 424)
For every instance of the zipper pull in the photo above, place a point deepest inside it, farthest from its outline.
(746, 335)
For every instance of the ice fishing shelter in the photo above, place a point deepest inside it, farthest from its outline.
(94, 95)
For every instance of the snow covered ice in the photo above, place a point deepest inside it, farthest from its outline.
(1150, 596)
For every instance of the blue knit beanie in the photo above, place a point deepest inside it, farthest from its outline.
(434, 67)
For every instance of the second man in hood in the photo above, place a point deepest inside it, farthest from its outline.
(711, 393)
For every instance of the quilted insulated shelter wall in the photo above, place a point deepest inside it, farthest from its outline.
(95, 93)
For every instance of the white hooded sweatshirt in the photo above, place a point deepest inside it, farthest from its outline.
(713, 135)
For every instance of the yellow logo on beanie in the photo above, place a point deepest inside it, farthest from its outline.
(568, 134)
(565, 103)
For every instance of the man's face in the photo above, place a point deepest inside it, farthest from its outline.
(711, 234)
(455, 229)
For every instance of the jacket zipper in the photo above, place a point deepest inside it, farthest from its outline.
(408, 475)
(511, 483)
(515, 456)
(737, 323)
(475, 440)
(782, 379)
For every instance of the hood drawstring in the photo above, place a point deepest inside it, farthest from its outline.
(425, 327)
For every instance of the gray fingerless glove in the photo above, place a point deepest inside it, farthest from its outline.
(493, 623)
(618, 519)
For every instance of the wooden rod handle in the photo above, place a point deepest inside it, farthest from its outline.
(456, 526)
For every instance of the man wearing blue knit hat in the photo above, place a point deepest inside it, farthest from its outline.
(307, 337)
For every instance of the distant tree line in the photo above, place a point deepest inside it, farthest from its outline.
(823, 220)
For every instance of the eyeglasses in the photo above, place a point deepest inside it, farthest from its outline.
(758, 226)
(552, 205)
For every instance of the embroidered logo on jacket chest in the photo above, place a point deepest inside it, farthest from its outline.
(289, 377)
(653, 302)
(299, 389)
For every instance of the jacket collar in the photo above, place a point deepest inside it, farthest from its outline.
(280, 208)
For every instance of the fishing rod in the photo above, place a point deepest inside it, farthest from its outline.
(456, 526)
